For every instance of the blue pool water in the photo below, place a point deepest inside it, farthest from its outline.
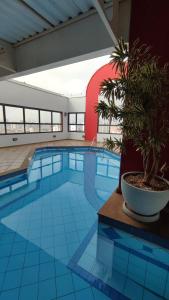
(51, 245)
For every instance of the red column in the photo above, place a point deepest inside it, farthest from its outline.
(149, 23)
(92, 94)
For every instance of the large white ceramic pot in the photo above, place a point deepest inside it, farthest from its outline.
(143, 205)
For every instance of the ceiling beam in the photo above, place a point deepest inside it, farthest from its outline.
(36, 13)
(115, 17)
(99, 5)
(50, 49)
(7, 57)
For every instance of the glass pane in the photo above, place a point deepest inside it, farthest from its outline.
(80, 128)
(31, 128)
(46, 171)
(31, 115)
(45, 128)
(110, 172)
(45, 116)
(115, 129)
(14, 114)
(103, 121)
(80, 118)
(79, 156)
(102, 170)
(57, 158)
(47, 161)
(34, 175)
(72, 127)
(114, 122)
(1, 114)
(72, 118)
(103, 129)
(57, 167)
(57, 127)
(15, 128)
(57, 117)
(18, 185)
(79, 165)
(72, 156)
(2, 128)
(72, 164)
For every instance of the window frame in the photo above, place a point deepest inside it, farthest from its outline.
(28, 123)
(9, 105)
(109, 128)
(76, 124)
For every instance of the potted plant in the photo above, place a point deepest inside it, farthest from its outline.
(142, 85)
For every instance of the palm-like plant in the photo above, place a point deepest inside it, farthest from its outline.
(143, 88)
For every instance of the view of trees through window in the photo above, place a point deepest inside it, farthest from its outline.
(16, 119)
(109, 126)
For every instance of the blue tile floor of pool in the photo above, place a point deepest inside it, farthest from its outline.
(51, 245)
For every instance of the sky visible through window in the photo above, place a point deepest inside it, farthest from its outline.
(70, 80)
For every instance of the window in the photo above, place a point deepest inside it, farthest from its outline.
(1, 114)
(2, 125)
(107, 167)
(31, 128)
(56, 121)
(14, 128)
(76, 122)
(45, 128)
(14, 114)
(2, 128)
(31, 115)
(45, 117)
(31, 120)
(16, 119)
(56, 118)
(109, 127)
(44, 167)
(76, 161)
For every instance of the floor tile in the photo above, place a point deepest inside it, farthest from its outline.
(45, 257)
(46, 270)
(31, 259)
(133, 290)
(98, 295)
(60, 269)
(10, 295)
(30, 275)
(64, 285)
(5, 250)
(47, 290)
(12, 280)
(16, 262)
(19, 248)
(68, 297)
(79, 283)
(29, 292)
(3, 264)
(84, 294)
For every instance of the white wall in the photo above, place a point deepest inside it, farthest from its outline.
(21, 94)
(77, 104)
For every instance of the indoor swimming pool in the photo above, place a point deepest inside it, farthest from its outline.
(51, 245)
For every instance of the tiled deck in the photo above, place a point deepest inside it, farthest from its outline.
(16, 158)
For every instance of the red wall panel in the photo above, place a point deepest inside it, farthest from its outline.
(149, 23)
(92, 94)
